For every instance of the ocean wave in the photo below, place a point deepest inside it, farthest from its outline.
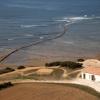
(19, 6)
(1, 49)
(74, 19)
(28, 6)
(28, 35)
(41, 37)
(32, 26)
(62, 20)
(10, 39)
(97, 17)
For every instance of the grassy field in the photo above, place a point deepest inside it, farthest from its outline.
(41, 91)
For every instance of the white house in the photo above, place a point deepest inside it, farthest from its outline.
(91, 73)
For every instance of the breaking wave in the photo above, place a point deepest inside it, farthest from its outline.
(28, 35)
(75, 19)
(32, 26)
(11, 39)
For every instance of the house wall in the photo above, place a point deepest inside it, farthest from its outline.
(91, 77)
(86, 76)
(97, 78)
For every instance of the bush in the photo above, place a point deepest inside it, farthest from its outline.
(5, 85)
(21, 67)
(80, 60)
(57, 63)
(67, 64)
(9, 69)
(6, 70)
(70, 64)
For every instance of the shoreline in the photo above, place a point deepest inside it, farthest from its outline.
(50, 50)
(40, 60)
(32, 44)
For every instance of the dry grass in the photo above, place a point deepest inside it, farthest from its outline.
(44, 71)
(40, 91)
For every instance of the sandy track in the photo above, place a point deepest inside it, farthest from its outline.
(94, 85)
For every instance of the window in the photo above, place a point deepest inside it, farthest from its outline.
(83, 76)
(93, 77)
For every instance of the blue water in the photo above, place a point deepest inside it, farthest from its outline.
(25, 21)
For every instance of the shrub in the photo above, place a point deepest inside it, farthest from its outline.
(57, 63)
(6, 70)
(70, 64)
(5, 85)
(21, 67)
(80, 60)
(9, 69)
(67, 64)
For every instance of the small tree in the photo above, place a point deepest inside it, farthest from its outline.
(80, 60)
(57, 63)
(70, 64)
(6, 70)
(21, 67)
(5, 85)
(9, 69)
(67, 64)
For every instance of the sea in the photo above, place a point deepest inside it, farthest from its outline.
(41, 24)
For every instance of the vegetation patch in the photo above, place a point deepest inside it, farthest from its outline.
(5, 85)
(57, 63)
(80, 60)
(21, 67)
(6, 70)
(57, 74)
(67, 64)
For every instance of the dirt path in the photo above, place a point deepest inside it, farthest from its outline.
(94, 85)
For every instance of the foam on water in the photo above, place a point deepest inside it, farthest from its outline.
(29, 35)
(41, 37)
(70, 20)
(19, 6)
(1, 49)
(32, 26)
(10, 39)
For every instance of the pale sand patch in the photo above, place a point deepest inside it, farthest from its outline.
(91, 63)
(44, 71)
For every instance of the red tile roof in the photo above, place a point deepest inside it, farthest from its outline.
(92, 70)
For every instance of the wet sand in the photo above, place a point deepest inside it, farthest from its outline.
(57, 49)
(46, 52)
